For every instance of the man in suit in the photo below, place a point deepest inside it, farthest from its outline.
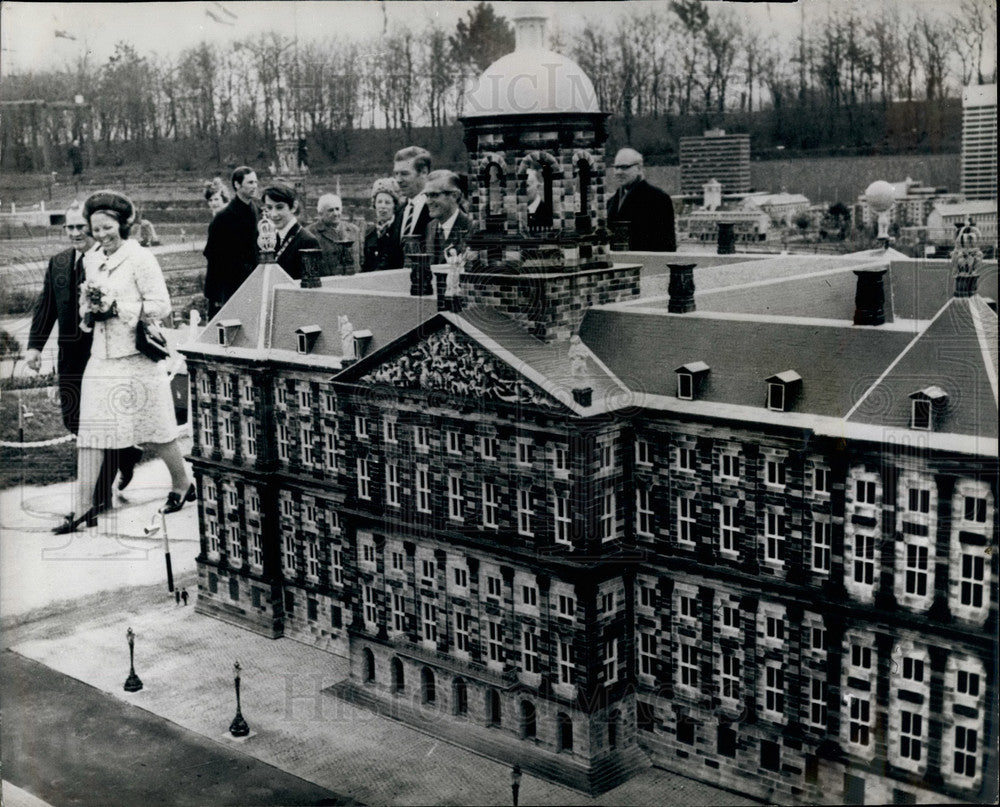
(448, 226)
(648, 210)
(411, 168)
(338, 239)
(59, 304)
(231, 249)
(281, 206)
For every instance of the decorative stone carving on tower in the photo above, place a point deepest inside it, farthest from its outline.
(536, 111)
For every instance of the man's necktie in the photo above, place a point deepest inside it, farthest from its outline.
(408, 219)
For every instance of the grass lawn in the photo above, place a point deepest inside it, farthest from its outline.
(34, 466)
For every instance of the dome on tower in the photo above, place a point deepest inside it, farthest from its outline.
(532, 80)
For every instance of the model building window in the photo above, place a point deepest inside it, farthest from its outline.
(368, 553)
(494, 586)
(861, 657)
(967, 684)
(312, 559)
(920, 413)
(494, 642)
(370, 610)
(643, 513)
(685, 386)
(430, 624)
(329, 403)
(605, 456)
(398, 612)
(428, 571)
(775, 472)
(336, 566)
(647, 654)
(916, 570)
(607, 601)
(390, 431)
(455, 497)
(393, 487)
(911, 734)
(966, 744)
(529, 652)
(729, 466)
(567, 663)
(305, 398)
(774, 537)
(561, 519)
(686, 513)
(250, 438)
(859, 726)
(647, 596)
(361, 427)
(643, 452)
(462, 631)
(248, 390)
(212, 534)
(974, 509)
(225, 387)
(489, 447)
(822, 543)
(529, 596)
(306, 438)
(774, 689)
(207, 438)
(818, 638)
(865, 491)
(818, 701)
(688, 668)
(913, 669)
(491, 505)
(971, 581)
(288, 553)
(729, 676)
(730, 618)
(228, 435)
(567, 605)
(686, 459)
(821, 480)
(421, 438)
(281, 393)
(560, 459)
(728, 529)
(776, 397)
(775, 628)
(461, 577)
(610, 661)
(205, 384)
(364, 479)
(688, 607)
(423, 480)
(524, 512)
(255, 546)
(606, 517)
(454, 442)
(525, 451)
(918, 500)
(864, 559)
(330, 450)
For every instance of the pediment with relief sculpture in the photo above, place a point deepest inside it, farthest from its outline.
(447, 361)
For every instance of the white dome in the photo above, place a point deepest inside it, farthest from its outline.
(529, 82)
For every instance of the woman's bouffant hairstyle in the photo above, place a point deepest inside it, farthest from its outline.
(116, 205)
(281, 193)
(211, 189)
(386, 185)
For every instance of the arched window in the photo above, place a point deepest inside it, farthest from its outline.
(564, 731)
(529, 720)
(398, 683)
(368, 662)
(428, 689)
(460, 696)
(493, 707)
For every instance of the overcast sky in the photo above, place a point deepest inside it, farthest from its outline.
(29, 40)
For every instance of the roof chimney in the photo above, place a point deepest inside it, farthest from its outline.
(529, 32)
(869, 298)
(312, 268)
(681, 288)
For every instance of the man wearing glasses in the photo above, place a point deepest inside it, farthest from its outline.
(648, 210)
(59, 303)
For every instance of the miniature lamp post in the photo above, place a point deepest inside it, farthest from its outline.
(239, 727)
(515, 783)
(132, 683)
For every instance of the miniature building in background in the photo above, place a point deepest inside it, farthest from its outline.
(716, 155)
(598, 516)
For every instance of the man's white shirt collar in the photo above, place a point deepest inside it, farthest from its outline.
(447, 225)
(283, 233)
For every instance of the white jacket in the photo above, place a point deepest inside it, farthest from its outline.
(132, 276)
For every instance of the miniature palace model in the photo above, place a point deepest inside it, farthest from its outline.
(586, 512)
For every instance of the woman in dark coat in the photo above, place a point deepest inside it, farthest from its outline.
(381, 247)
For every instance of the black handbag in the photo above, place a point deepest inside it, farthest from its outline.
(150, 341)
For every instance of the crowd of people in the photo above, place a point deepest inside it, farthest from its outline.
(103, 291)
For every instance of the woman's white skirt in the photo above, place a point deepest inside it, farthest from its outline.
(126, 402)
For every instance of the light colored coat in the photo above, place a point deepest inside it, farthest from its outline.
(132, 275)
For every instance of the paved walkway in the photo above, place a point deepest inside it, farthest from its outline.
(66, 604)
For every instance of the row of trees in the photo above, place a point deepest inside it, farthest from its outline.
(684, 58)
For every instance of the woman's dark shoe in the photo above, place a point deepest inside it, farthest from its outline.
(71, 524)
(175, 501)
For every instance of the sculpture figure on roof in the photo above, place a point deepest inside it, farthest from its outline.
(346, 335)
(577, 357)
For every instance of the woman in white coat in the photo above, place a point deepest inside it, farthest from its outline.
(125, 397)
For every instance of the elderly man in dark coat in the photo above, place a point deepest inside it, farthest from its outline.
(648, 210)
(231, 249)
(339, 240)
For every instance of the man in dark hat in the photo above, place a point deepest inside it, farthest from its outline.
(59, 304)
(231, 249)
